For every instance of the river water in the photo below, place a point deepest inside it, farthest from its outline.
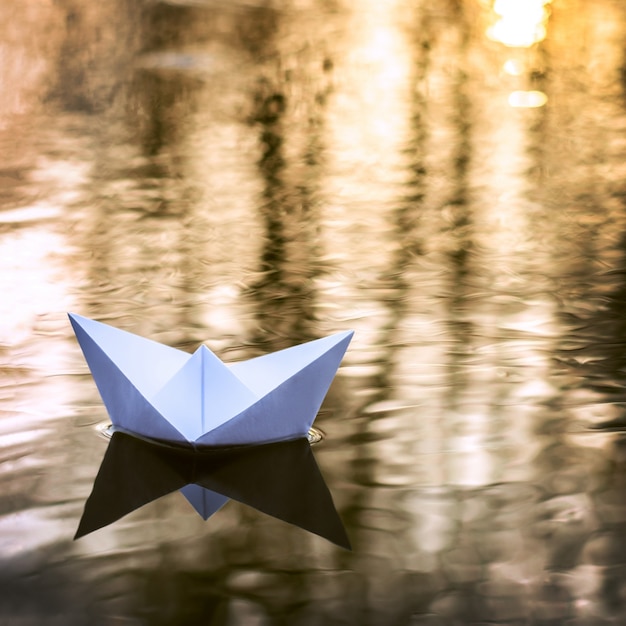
(443, 177)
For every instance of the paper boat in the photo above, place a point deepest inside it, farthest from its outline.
(280, 479)
(158, 392)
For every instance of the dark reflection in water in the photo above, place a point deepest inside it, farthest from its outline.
(444, 179)
(282, 480)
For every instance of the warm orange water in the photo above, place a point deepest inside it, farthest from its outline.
(255, 175)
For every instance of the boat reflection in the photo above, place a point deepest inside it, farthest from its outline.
(280, 479)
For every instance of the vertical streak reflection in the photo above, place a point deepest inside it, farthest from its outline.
(288, 113)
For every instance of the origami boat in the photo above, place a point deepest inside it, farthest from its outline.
(152, 390)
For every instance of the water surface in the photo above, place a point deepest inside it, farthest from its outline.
(253, 175)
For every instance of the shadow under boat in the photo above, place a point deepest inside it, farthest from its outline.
(280, 479)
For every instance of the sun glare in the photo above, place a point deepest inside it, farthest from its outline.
(519, 23)
(527, 99)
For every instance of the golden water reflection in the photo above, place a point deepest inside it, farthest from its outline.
(522, 26)
(527, 99)
(251, 176)
(519, 23)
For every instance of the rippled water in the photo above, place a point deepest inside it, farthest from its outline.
(253, 175)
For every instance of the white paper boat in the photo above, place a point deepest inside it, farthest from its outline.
(158, 392)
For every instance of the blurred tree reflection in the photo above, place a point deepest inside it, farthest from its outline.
(288, 111)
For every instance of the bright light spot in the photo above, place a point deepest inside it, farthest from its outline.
(520, 23)
(513, 68)
(28, 273)
(527, 99)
